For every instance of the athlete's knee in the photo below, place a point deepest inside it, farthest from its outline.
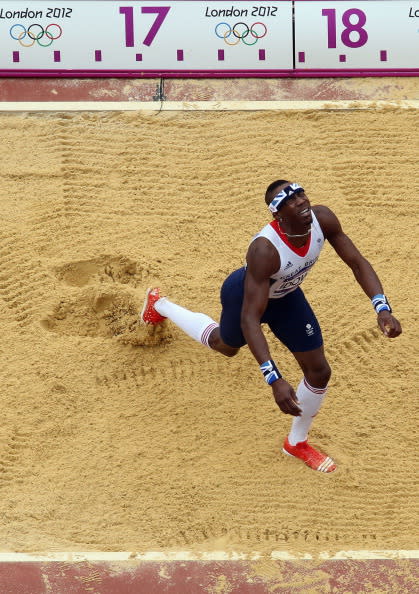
(319, 374)
(316, 368)
(217, 344)
(228, 351)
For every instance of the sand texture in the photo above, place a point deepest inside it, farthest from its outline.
(115, 436)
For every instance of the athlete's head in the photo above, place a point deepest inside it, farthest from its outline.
(287, 201)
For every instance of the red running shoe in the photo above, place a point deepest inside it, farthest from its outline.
(149, 315)
(309, 455)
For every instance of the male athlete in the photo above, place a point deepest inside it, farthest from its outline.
(267, 290)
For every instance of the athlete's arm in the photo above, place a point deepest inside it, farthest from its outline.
(263, 261)
(363, 272)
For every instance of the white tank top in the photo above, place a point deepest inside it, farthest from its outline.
(295, 262)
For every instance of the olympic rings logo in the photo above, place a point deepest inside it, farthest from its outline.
(240, 32)
(35, 33)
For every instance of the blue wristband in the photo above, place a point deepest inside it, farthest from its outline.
(380, 303)
(270, 372)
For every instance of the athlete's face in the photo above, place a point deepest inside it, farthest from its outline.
(295, 209)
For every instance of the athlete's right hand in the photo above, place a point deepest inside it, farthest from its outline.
(286, 398)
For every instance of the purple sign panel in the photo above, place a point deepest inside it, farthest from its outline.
(189, 38)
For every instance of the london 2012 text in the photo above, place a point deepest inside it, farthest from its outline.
(259, 11)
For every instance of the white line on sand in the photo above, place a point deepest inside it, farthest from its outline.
(162, 557)
(59, 106)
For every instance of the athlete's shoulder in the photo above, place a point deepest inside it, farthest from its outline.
(261, 245)
(322, 212)
(266, 232)
(327, 219)
(262, 258)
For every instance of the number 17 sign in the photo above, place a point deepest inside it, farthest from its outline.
(356, 34)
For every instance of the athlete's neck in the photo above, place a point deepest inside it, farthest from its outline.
(298, 234)
(297, 239)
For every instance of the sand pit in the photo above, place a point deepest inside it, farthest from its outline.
(118, 437)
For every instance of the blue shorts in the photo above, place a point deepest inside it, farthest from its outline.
(290, 318)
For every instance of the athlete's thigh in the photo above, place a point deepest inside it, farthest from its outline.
(293, 322)
(232, 301)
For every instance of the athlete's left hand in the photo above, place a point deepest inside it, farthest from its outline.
(388, 324)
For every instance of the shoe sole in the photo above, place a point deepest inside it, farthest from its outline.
(144, 306)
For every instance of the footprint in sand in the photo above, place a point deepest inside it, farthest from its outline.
(103, 301)
(104, 269)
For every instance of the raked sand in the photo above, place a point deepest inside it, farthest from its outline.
(115, 436)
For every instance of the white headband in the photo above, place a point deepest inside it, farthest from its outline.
(283, 195)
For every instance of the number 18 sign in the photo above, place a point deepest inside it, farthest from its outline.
(357, 34)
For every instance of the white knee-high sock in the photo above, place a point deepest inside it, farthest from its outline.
(197, 325)
(310, 400)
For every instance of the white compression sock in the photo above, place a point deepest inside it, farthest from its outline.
(197, 325)
(310, 402)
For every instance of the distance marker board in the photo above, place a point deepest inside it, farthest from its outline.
(189, 38)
